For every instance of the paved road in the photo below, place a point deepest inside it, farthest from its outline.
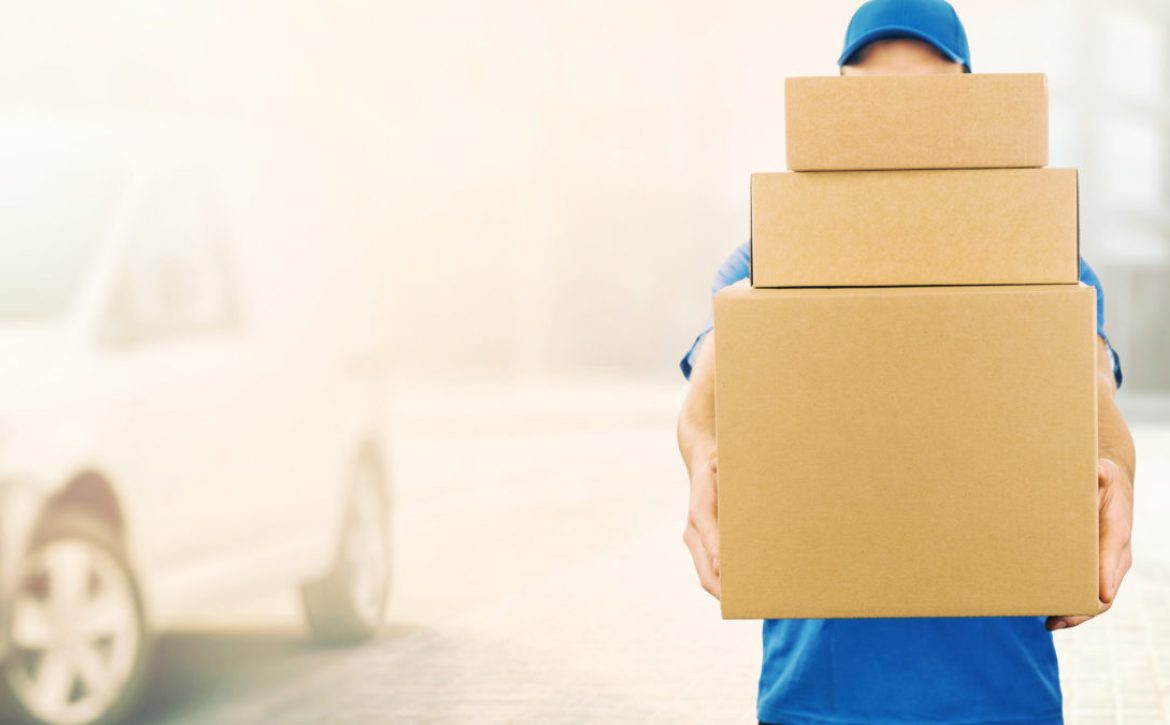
(540, 578)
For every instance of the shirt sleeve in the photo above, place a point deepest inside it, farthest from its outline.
(1089, 277)
(737, 266)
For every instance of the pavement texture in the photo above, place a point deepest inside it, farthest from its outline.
(541, 578)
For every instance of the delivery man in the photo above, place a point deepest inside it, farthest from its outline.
(938, 670)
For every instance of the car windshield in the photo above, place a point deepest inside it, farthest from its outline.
(53, 212)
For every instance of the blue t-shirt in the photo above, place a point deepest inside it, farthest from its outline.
(942, 671)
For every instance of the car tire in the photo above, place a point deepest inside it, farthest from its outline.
(108, 625)
(348, 604)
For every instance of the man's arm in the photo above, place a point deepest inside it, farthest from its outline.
(1114, 441)
(1115, 475)
(696, 442)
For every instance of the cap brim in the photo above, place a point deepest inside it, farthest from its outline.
(898, 31)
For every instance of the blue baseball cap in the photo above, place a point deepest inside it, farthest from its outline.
(933, 21)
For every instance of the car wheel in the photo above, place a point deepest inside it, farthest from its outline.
(76, 628)
(348, 604)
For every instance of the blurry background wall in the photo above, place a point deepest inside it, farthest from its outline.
(547, 188)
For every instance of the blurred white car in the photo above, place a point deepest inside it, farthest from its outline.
(181, 424)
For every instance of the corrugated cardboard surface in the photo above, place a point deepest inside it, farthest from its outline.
(905, 228)
(907, 451)
(917, 122)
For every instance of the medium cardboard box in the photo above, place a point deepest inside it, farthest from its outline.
(905, 228)
(905, 452)
(956, 121)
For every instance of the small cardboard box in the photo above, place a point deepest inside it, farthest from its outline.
(959, 121)
(906, 452)
(905, 228)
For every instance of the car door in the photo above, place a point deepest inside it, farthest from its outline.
(180, 422)
(215, 421)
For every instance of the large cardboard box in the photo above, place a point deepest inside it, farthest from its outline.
(907, 452)
(905, 228)
(917, 122)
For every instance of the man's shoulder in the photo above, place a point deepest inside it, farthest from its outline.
(736, 267)
(1086, 274)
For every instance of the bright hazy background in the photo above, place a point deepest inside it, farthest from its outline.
(511, 212)
(547, 188)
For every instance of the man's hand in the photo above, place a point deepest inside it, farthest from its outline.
(702, 532)
(697, 443)
(1115, 514)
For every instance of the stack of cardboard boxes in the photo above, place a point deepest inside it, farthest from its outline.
(905, 395)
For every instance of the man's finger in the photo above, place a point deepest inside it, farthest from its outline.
(1123, 565)
(1116, 526)
(707, 576)
(704, 515)
(1059, 623)
(1056, 623)
(1105, 545)
(708, 526)
(703, 567)
(704, 520)
(710, 538)
(708, 531)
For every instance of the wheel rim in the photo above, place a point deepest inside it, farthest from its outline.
(75, 632)
(366, 548)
